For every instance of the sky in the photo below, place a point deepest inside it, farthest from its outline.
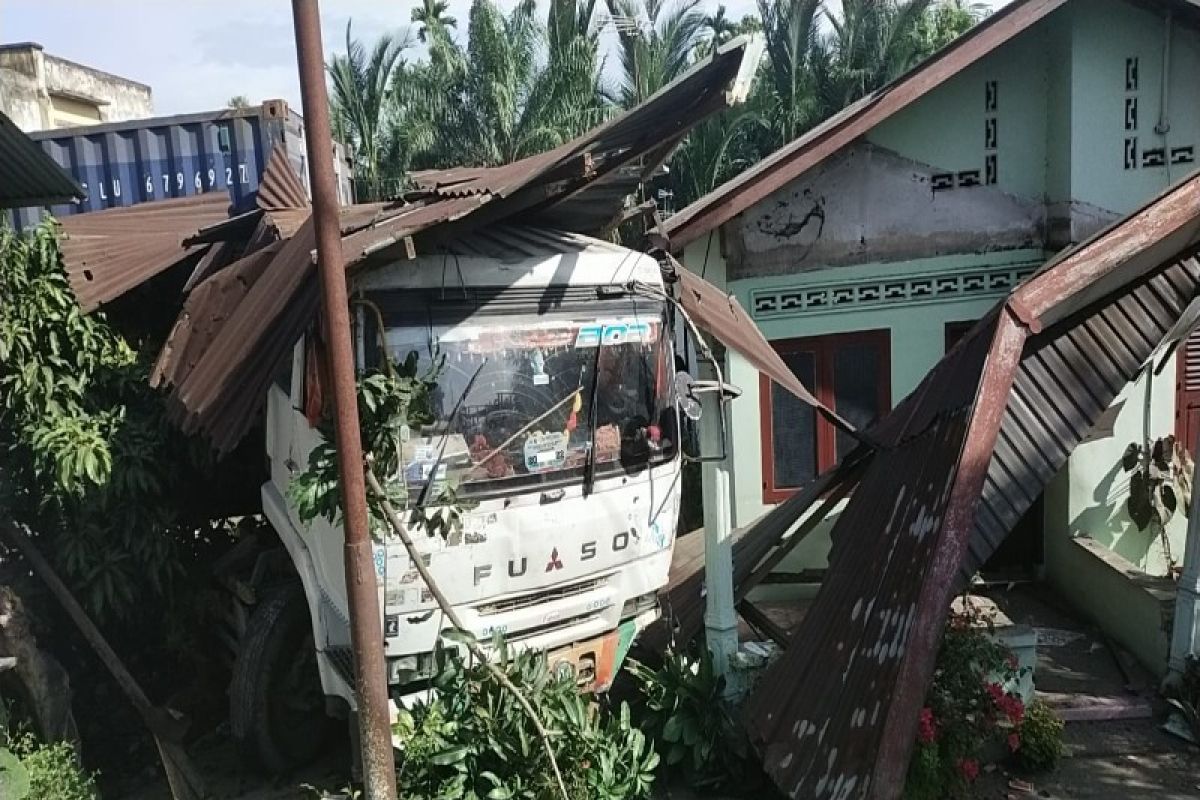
(196, 54)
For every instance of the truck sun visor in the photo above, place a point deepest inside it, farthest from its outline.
(723, 316)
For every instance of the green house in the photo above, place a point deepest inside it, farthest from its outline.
(866, 248)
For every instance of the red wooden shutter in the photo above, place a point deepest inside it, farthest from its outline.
(1187, 392)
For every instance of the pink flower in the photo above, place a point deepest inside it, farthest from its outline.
(996, 692)
(1013, 708)
(927, 731)
(1014, 742)
(969, 768)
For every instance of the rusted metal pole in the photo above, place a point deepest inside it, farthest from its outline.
(366, 631)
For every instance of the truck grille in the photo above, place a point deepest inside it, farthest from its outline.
(550, 627)
(543, 596)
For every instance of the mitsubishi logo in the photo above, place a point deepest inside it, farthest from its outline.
(555, 561)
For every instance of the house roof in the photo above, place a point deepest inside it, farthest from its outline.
(29, 177)
(856, 119)
(960, 460)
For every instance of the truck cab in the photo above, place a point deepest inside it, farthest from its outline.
(554, 421)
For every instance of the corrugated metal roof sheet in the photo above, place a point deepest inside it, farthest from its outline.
(280, 188)
(29, 177)
(792, 160)
(962, 458)
(107, 253)
(222, 394)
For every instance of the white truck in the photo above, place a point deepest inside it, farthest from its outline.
(565, 452)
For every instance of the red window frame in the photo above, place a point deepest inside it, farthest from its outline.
(823, 349)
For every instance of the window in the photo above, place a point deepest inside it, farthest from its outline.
(956, 331)
(850, 373)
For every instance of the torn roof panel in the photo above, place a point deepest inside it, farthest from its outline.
(223, 393)
(722, 315)
(280, 188)
(29, 177)
(963, 457)
(107, 253)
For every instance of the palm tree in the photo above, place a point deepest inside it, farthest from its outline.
(784, 100)
(871, 43)
(655, 43)
(497, 101)
(360, 89)
(430, 15)
(719, 27)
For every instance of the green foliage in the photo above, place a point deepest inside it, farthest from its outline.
(966, 710)
(1159, 483)
(33, 770)
(687, 717)
(14, 776)
(1041, 738)
(360, 83)
(89, 461)
(472, 739)
(54, 772)
(656, 41)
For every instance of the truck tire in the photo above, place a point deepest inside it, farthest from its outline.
(276, 704)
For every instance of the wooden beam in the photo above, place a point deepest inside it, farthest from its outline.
(756, 618)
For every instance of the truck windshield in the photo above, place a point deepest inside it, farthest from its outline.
(528, 418)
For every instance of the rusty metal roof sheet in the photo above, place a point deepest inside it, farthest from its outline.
(591, 165)
(106, 253)
(280, 187)
(722, 315)
(205, 312)
(29, 177)
(222, 393)
(791, 161)
(962, 458)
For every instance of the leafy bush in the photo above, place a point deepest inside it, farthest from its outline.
(967, 709)
(472, 739)
(90, 462)
(687, 716)
(31, 770)
(1041, 738)
(54, 772)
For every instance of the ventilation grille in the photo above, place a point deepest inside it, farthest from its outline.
(539, 597)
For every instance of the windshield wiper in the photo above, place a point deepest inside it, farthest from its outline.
(589, 465)
(437, 464)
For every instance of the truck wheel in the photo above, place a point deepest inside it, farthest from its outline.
(276, 704)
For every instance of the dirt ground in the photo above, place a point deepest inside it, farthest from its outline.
(1110, 761)
(1125, 760)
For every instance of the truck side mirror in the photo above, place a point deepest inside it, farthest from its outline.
(689, 406)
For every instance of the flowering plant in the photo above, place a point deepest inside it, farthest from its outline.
(968, 709)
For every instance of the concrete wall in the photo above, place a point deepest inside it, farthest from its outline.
(1097, 488)
(868, 205)
(40, 91)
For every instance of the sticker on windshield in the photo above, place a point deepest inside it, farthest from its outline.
(614, 332)
(545, 451)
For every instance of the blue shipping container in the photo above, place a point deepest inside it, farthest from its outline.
(123, 163)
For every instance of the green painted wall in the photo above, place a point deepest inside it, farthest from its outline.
(1097, 488)
(917, 343)
(1104, 34)
(946, 128)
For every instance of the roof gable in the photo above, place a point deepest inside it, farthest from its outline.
(852, 122)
